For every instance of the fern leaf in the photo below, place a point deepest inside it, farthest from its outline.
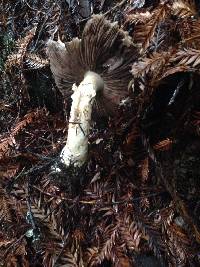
(131, 235)
(177, 241)
(173, 70)
(5, 207)
(184, 8)
(15, 254)
(13, 60)
(163, 145)
(145, 32)
(29, 118)
(196, 118)
(110, 236)
(34, 61)
(16, 59)
(5, 243)
(9, 212)
(185, 60)
(90, 256)
(144, 169)
(138, 17)
(5, 146)
(189, 32)
(188, 57)
(68, 260)
(7, 143)
(120, 258)
(152, 65)
(9, 170)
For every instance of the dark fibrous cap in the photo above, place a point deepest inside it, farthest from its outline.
(104, 49)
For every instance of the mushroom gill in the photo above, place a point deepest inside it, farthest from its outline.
(98, 62)
(104, 49)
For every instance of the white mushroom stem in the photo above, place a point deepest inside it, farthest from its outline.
(76, 149)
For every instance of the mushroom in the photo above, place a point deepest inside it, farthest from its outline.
(98, 63)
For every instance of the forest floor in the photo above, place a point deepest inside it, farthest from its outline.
(137, 201)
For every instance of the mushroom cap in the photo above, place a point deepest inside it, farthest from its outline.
(104, 49)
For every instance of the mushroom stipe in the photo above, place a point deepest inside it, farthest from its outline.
(100, 61)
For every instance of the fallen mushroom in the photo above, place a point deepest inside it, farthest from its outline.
(98, 63)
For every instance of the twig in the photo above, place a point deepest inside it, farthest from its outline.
(30, 6)
(13, 244)
(42, 26)
(115, 7)
(94, 202)
(79, 124)
(24, 173)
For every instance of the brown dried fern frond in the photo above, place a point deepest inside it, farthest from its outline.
(46, 208)
(144, 169)
(187, 57)
(160, 65)
(34, 61)
(52, 243)
(144, 32)
(5, 207)
(90, 255)
(163, 145)
(5, 243)
(138, 17)
(131, 235)
(7, 143)
(16, 59)
(105, 251)
(189, 32)
(9, 169)
(150, 234)
(153, 65)
(120, 258)
(184, 8)
(16, 254)
(12, 218)
(68, 259)
(172, 70)
(178, 244)
(196, 118)
(5, 146)
(31, 117)
(57, 254)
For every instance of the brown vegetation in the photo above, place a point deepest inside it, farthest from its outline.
(137, 202)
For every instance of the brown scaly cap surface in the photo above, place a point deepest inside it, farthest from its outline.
(104, 49)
